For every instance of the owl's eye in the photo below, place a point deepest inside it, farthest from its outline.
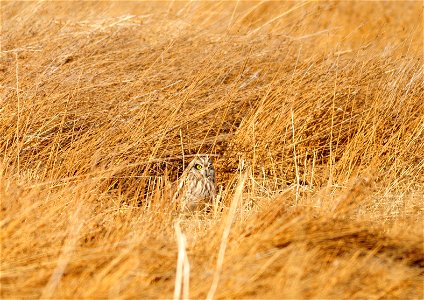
(198, 167)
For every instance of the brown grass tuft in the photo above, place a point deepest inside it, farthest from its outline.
(314, 112)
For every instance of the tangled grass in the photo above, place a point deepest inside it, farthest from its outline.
(314, 112)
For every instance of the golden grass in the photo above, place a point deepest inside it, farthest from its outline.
(314, 111)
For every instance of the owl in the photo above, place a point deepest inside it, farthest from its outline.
(197, 185)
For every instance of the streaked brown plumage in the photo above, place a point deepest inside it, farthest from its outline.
(197, 186)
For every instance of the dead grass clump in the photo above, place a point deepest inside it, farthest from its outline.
(314, 115)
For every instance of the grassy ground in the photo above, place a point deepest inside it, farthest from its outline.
(314, 111)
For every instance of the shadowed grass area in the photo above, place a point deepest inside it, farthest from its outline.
(312, 111)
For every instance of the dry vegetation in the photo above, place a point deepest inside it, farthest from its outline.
(313, 110)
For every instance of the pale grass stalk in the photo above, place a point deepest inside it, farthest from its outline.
(267, 264)
(186, 270)
(313, 170)
(232, 15)
(224, 240)
(250, 11)
(253, 186)
(18, 150)
(65, 256)
(295, 158)
(305, 166)
(331, 158)
(281, 15)
(182, 148)
(182, 278)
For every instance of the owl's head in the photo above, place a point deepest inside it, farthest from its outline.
(202, 167)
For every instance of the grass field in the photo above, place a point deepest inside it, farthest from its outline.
(313, 111)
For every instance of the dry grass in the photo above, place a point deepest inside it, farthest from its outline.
(314, 110)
